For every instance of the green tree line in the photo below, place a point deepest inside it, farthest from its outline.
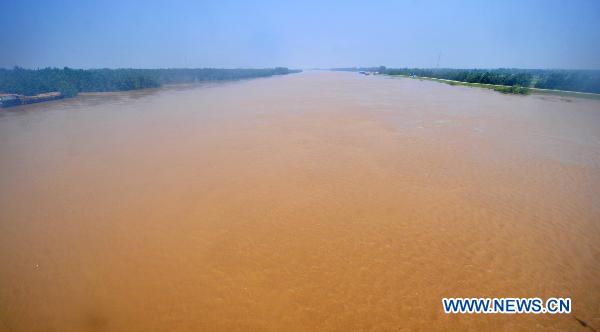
(558, 79)
(70, 81)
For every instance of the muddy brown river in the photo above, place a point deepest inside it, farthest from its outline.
(322, 201)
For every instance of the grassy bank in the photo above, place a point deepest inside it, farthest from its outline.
(515, 89)
(509, 89)
(69, 82)
(564, 82)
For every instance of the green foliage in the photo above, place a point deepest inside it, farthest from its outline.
(515, 89)
(571, 80)
(67, 89)
(484, 76)
(568, 80)
(72, 81)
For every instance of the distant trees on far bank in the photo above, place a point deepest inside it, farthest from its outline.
(557, 79)
(70, 81)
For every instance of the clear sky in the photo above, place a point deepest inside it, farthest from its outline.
(300, 34)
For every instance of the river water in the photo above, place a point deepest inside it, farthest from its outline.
(314, 201)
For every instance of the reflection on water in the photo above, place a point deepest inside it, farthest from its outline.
(326, 201)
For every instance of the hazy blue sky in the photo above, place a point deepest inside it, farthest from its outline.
(150, 34)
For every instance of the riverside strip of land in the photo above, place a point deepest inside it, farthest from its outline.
(508, 88)
(571, 83)
(19, 86)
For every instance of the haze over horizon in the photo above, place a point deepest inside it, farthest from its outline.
(234, 34)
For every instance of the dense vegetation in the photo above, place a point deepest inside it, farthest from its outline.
(514, 89)
(71, 81)
(569, 80)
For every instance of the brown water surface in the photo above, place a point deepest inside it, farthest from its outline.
(316, 201)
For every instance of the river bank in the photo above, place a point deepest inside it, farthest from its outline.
(9, 100)
(506, 88)
(19, 86)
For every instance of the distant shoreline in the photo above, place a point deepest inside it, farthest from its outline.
(57, 96)
(564, 82)
(562, 93)
(21, 86)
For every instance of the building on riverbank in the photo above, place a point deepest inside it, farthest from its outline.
(9, 99)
